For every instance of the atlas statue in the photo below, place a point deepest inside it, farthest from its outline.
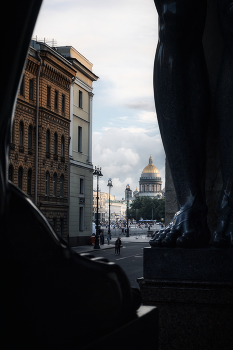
(183, 105)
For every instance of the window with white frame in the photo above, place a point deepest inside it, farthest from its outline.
(81, 218)
(81, 186)
(79, 139)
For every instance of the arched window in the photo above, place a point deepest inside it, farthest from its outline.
(47, 183)
(10, 173)
(20, 178)
(62, 185)
(30, 136)
(62, 146)
(55, 185)
(21, 133)
(55, 144)
(47, 141)
(29, 189)
(12, 132)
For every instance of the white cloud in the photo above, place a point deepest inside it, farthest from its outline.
(119, 38)
(148, 117)
(123, 154)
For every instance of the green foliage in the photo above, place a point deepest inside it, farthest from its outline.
(142, 207)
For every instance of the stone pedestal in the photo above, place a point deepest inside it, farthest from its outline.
(193, 290)
(140, 333)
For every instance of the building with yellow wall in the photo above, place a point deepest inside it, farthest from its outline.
(80, 148)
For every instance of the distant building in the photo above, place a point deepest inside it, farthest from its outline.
(136, 193)
(80, 150)
(102, 198)
(117, 210)
(128, 193)
(150, 183)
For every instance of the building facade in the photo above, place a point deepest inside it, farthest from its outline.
(117, 210)
(102, 198)
(39, 149)
(150, 183)
(80, 151)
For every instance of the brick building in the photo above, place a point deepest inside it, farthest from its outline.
(42, 113)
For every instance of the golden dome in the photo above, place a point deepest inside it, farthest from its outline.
(150, 168)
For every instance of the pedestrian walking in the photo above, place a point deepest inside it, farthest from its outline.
(119, 245)
(116, 246)
(101, 237)
(108, 238)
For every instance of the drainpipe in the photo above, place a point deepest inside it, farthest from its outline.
(37, 118)
(70, 150)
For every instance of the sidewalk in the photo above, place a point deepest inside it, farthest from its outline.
(134, 239)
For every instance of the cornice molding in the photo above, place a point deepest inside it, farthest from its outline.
(26, 107)
(83, 85)
(81, 68)
(81, 165)
(55, 76)
(51, 115)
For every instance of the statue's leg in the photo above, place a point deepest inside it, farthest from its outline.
(182, 102)
(223, 235)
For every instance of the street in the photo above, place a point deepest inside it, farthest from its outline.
(132, 230)
(130, 259)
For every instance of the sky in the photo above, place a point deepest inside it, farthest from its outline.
(119, 38)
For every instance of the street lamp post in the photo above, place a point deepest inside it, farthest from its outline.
(109, 185)
(97, 172)
(127, 191)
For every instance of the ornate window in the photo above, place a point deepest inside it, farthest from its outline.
(31, 89)
(55, 185)
(30, 136)
(62, 146)
(21, 133)
(29, 184)
(63, 103)
(62, 185)
(20, 178)
(55, 99)
(55, 144)
(47, 140)
(47, 183)
(48, 96)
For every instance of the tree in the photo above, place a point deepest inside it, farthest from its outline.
(146, 207)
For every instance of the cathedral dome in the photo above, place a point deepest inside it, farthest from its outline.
(150, 182)
(150, 168)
